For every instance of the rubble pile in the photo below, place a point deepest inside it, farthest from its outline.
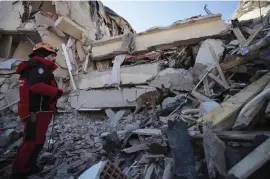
(76, 24)
(213, 125)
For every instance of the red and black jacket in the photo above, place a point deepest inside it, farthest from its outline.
(37, 87)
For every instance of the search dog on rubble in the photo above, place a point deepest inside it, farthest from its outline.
(153, 98)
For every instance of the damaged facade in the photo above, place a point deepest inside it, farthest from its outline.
(216, 126)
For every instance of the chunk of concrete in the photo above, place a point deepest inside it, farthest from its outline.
(47, 22)
(109, 113)
(107, 98)
(111, 142)
(204, 55)
(92, 172)
(69, 27)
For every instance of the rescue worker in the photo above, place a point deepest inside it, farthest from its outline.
(38, 97)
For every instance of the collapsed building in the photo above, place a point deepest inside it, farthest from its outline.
(218, 71)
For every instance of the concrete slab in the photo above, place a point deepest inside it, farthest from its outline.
(175, 79)
(69, 27)
(129, 75)
(180, 33)
(108, 98)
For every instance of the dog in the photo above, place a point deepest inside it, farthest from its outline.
(153, 98)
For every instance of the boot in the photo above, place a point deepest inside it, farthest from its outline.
(19, 176)
(36, 169)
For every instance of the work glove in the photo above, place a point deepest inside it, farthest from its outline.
(65, 92)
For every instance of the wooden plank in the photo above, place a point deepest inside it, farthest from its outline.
(168, 174)
(252, 56)
(9, 105)
(252, 37)
(240, 37)
(206, 87)
(247, 30)
(249, 40)
(69, 67)
(217, 65)
(135, 148)
(231, 64)
(199, 96)
(147, 132)
(252, 161)
(246, 117)
(80, 50)
(212, 76)
(190, 111)
(212, 84)
(235, 135)
(224, 117)
(150, 171)
(86, 63)
(261, 43)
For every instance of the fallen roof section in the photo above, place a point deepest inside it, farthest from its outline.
(181, 33)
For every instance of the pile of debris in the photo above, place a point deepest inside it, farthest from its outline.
(70, 26)
(216, 126)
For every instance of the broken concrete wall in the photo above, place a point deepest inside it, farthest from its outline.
(107, 98)
(183, 33)
(175, 79)
(129, 75)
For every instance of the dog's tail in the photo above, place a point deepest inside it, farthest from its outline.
(130, 101)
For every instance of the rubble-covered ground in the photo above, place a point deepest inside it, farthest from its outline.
(217, 125)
